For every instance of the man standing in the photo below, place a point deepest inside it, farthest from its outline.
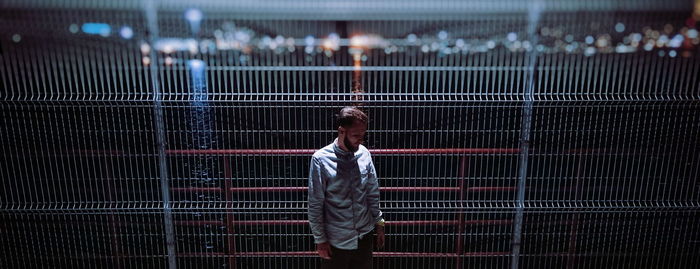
(344, 197)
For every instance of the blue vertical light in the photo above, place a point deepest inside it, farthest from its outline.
(201, 119)
(198, 80)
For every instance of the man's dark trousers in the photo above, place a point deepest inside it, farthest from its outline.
(360, 258)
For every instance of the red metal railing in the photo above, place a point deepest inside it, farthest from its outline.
(383, 189)
(459, 221)
(311, 151)
(314, 253)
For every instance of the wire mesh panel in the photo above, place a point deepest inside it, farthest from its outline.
(505, 133)
(78, 238)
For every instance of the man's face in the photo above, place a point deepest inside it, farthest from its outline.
(353, 136)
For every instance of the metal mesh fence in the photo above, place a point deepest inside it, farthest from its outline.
(505, 133)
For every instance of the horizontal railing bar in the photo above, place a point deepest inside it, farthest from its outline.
(426, 151)
(314, 253)
(385, 189)
(312, 151)
(305, 222)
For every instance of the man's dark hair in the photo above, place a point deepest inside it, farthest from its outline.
(349, 115)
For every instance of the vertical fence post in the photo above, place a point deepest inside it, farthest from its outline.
(533, 21)
(152, 23)
(460, 216)
(230, 242)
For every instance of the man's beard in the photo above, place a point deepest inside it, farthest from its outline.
(349, 145)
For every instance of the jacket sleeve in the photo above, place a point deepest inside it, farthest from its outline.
(373, 194)
(316, 202)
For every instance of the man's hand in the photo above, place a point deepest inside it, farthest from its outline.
(324, 250)
(380, 236)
